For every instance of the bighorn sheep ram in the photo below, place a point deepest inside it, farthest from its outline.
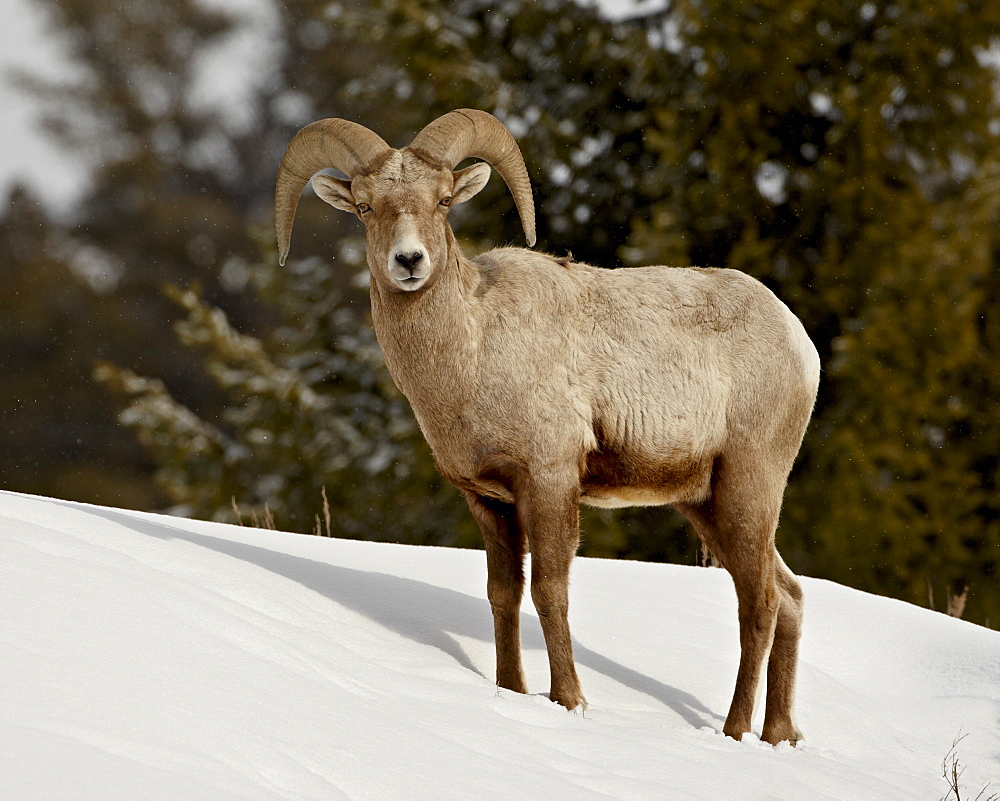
(541, 383)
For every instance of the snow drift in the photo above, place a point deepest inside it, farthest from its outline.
(151, 657)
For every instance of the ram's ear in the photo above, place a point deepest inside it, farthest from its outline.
(335, 191)
(469, 181)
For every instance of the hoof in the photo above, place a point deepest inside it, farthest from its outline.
(779, 734)
(571, 701)
(736, 731)
(516, 685)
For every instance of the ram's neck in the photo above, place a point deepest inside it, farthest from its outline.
(429, 341)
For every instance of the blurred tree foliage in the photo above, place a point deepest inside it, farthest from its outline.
(158, 209)
(844, 153)
(57, 436)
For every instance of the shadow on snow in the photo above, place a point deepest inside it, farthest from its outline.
(421, 612)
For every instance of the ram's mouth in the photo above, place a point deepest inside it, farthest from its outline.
(412, 283)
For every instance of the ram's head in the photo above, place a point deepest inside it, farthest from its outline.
(402, 196)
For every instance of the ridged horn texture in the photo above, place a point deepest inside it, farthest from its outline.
(341, 144)
(466, 133)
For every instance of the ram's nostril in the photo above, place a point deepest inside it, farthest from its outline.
(409, 260)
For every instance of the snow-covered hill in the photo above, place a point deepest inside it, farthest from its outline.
(147, 657)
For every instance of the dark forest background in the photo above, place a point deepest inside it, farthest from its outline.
(845, 153)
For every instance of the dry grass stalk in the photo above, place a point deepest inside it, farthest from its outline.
(322, 527)
(708, 559)
(326, 513)
(236, 511)
(956, 602)
(951, 772)
(265, 520)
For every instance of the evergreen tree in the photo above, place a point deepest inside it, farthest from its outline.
(175, 195)
(156, 209)
(50, 431)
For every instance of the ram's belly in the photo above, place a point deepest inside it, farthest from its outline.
(618, 497)
(612, 481)
(690, 488)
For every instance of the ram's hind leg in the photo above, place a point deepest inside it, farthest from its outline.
(783, 663)
(737, 523)
(505, 548)
(757, 596)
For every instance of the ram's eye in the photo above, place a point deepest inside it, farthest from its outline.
(446, 201)
(364, 208)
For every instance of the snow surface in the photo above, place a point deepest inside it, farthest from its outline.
(150, 657)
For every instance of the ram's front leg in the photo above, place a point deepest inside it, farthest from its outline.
(505, 547)
(549, 511)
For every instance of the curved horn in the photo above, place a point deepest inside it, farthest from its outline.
(343, 145)
(468, 132)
